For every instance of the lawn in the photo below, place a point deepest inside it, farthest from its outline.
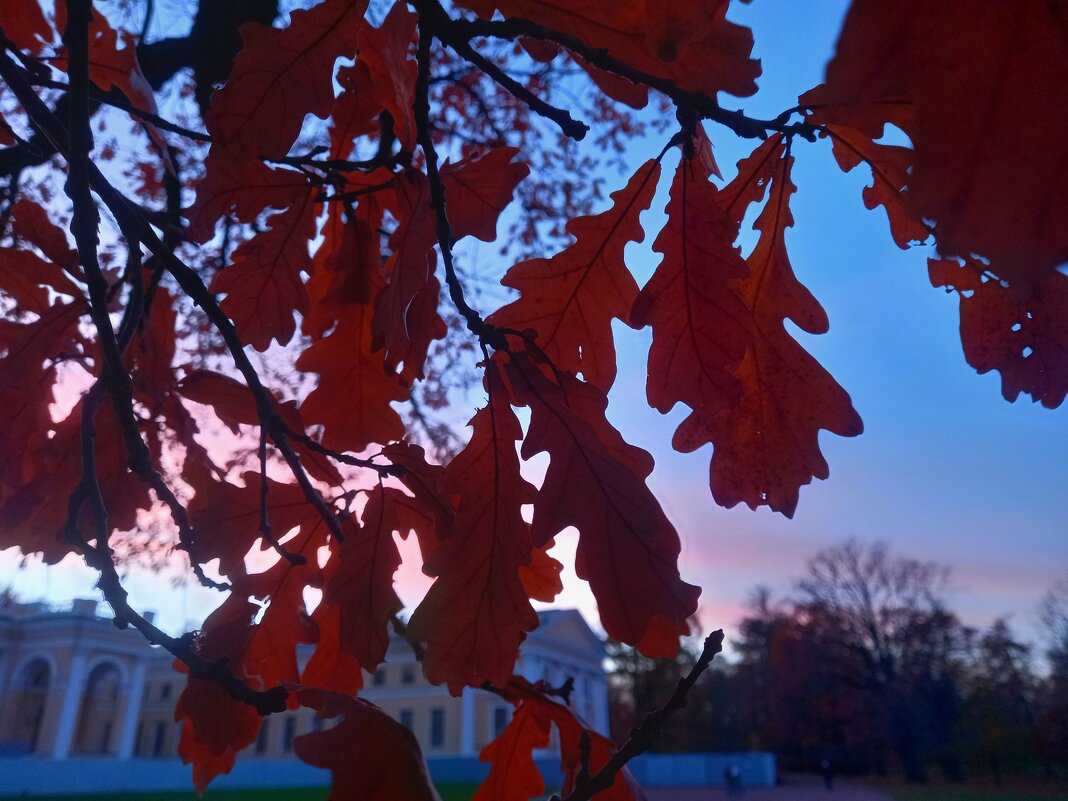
(448, 792)
(981, 791)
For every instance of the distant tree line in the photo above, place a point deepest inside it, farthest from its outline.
(864, 665)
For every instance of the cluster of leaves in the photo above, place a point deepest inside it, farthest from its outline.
(323, 195)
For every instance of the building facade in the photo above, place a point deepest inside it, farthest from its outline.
(72, 684)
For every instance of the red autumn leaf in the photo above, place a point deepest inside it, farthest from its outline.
(242, 189)
(226, 518)
(359, 582)
(1025, 340)
(541, 578)
(767, 443)
(355, 110)
(982, 170)
(476, 191)
(700, 326)
(229, 399)
(150, 355)
(216, 726)
(627, 550)
(712, 56)
(478, 188)
(112, 67)
(352, 400)
(279, 77)
(263, 286)
(624, 788)
(25, 24)
(890, 165)
(234, 405)
(30, 516)
(330, 666)
(29, 280)
(428, 501)
(270, 656)
(30, 222)
(370, 755)
(27, 388)
(571, 299)
(391, 73)
(514, 776)
(477, 612)
(346, 267)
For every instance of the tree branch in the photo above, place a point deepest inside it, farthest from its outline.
(646, 734)
(702, 105)
(440, 25)
(486, 333)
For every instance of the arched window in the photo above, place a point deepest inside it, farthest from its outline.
(99, 713)
(29, 698)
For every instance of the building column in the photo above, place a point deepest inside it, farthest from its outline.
(467, 722)
(600, 704)
(132, 711)
(72, 702)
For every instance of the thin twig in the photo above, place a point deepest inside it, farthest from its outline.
(647, 733)
(701, 104)
(434, 19)
(486, 333)
(119, 101)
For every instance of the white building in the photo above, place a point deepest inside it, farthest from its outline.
(72, 684)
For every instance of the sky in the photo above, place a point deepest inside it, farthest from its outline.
(946, 469)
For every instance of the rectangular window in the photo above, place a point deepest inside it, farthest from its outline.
(261, 738)
(165, 691)
(437, 727)
(408, 674)
(407, 718)
(288, 733)
(500, 720)
(160, 740)
(138, 748)
(379, 677)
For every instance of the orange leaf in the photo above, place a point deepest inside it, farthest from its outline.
(477, 612)
(627, 549)
(692, 42)
(767, 444)
(1025, 340)
(571, 299)
(541, 578)
(371, 756)
(352, 400)
(243, 189)
(360, 576)
(513, 775)
(279, 77)
(25, 24)
(700, 326)
(982, 170)
(263, 286)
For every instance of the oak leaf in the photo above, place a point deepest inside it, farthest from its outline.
(627, 549)
(767, 443)
(477, 612)
(571, 299)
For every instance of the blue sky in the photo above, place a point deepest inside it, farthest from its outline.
(946, 470)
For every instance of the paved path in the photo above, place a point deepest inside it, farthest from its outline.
(793, 788)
